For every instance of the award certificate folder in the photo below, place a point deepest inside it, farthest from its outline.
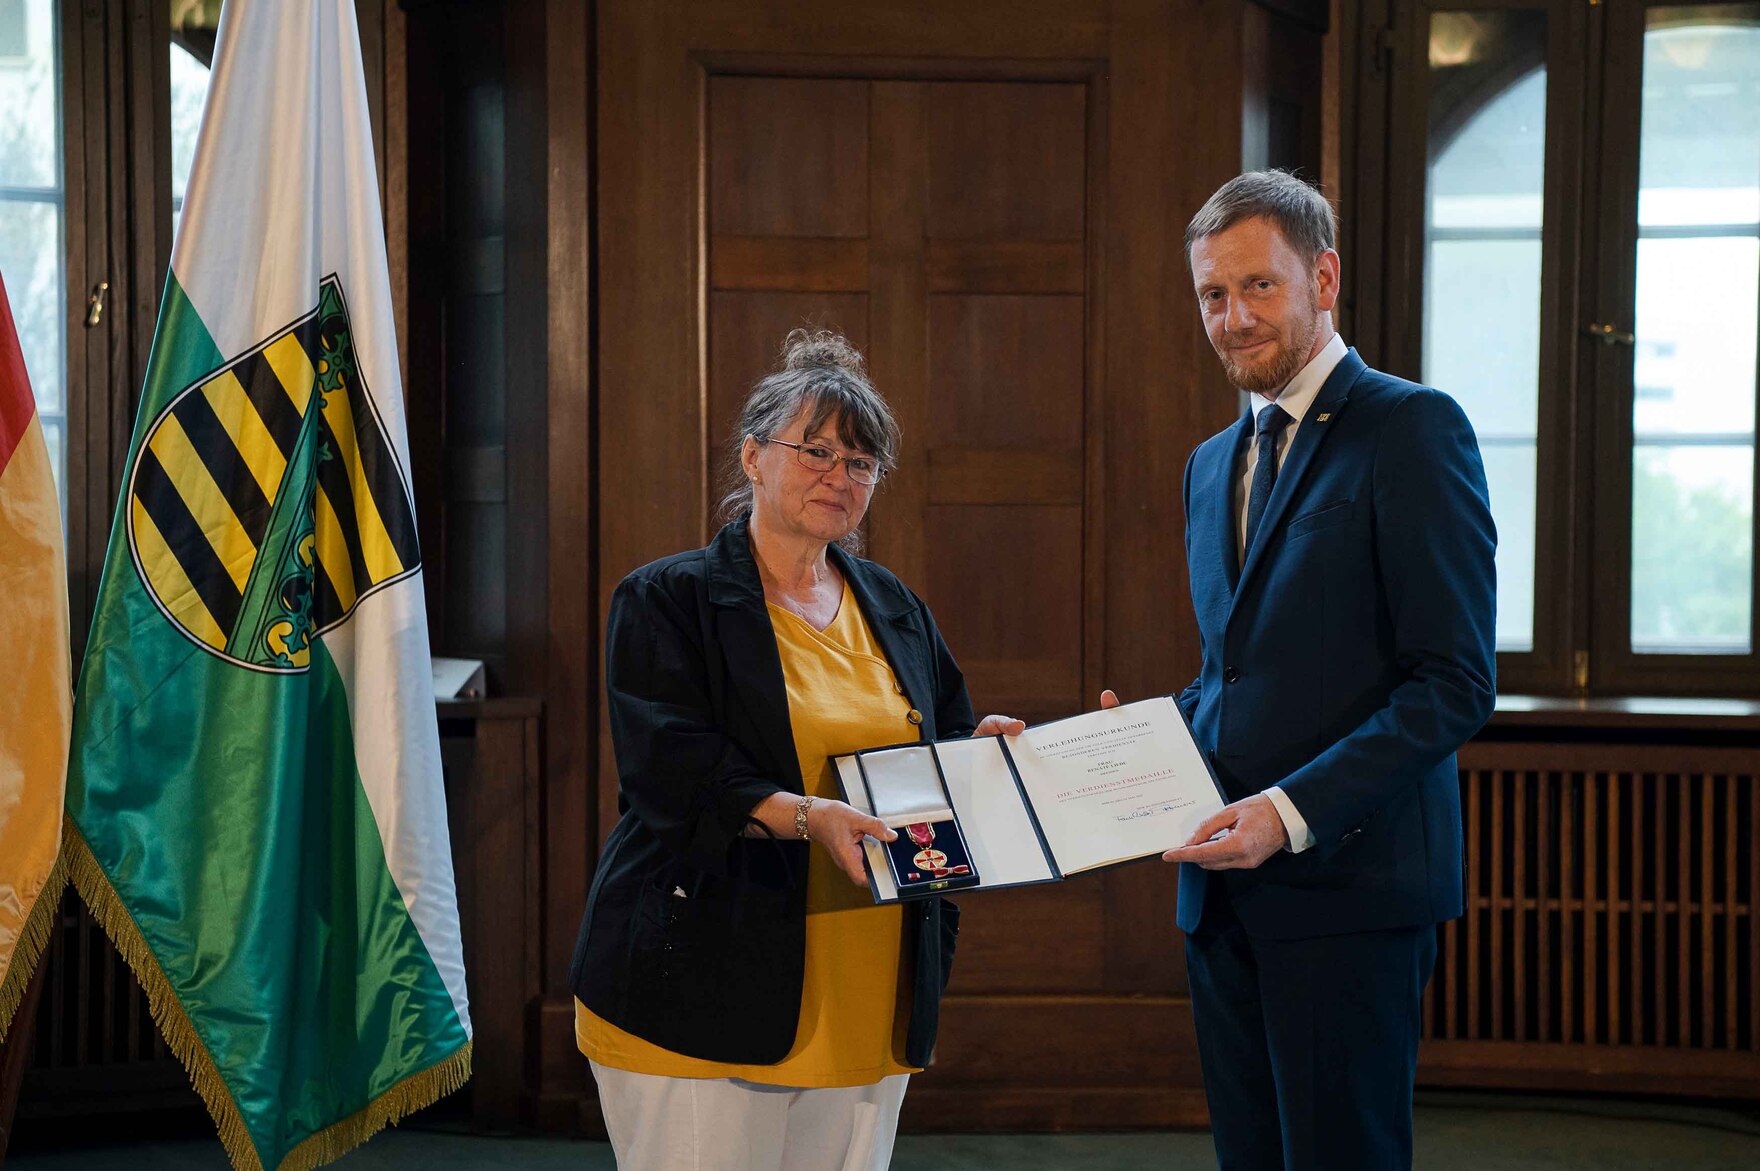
(1072, 795)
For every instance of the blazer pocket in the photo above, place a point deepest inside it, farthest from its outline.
(1324, 517)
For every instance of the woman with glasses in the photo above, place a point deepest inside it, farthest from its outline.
(744, 1004)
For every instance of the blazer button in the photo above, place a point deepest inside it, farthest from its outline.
(914, 716)
(1231, 674)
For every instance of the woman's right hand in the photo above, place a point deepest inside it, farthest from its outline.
(837, 826)
(840, 828)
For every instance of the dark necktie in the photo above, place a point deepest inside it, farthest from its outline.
(1272, 420)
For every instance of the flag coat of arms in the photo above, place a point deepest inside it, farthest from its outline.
(35, 703)
(254, 799)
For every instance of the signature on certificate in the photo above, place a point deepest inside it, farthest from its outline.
(1152, 810)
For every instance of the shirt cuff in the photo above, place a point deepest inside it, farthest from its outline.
(1300, 836)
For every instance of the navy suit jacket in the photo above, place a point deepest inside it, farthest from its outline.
(1349, 656)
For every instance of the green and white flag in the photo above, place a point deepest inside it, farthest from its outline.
(255, 809)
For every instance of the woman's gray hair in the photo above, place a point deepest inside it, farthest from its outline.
(821, 370)
(1300, 212)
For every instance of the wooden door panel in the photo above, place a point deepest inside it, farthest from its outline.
(782, 263)
(992, 475)
(1034, 939)
(1007, 266)
(1005, 584)
(745, 336)
(1006, 162)
(788, 157)
(1007, 372)
(985, 201)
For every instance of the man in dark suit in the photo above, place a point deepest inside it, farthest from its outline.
(1340, 550)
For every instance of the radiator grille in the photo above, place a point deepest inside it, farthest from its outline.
(1610, 899)
(95, 1048)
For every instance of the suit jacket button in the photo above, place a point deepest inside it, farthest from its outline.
(1231, 674)
(914, 716)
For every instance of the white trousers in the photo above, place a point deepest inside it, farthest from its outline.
(724, 1124)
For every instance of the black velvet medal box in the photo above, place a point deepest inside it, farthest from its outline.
(930, 857)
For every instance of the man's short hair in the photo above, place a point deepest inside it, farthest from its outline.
(1300, 212)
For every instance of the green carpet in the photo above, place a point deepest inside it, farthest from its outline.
(1456, 1132)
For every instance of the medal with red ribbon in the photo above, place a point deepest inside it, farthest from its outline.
(921, 833)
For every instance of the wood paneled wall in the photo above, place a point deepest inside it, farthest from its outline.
(607, 215)
(616, 210)
(990, 202)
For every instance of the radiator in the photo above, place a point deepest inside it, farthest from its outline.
(1609, 938)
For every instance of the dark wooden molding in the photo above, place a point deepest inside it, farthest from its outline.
(1627, 713)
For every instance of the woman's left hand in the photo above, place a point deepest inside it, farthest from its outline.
(1000, 726)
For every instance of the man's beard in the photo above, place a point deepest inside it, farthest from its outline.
(1274, 372)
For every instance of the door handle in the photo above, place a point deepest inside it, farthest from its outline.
(1607, 335)
(95, 304)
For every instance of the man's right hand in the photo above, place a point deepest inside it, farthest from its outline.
(1108, 698)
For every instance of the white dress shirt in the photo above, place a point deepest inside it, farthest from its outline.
(1294, 399)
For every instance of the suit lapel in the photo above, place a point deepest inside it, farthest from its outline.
(748, 645)
(1316, 425)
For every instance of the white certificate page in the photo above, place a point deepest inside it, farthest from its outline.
(1109, 786)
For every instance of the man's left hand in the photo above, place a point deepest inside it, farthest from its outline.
(1000, 726)
(1245, 834)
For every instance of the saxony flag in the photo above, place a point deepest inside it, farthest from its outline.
(35, 702)
(254, 799)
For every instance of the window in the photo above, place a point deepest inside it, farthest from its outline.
(1563, 232)
(31, 208)
(1482, 241)
(1698, 258)
(192, 54)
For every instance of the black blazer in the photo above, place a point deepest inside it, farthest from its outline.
(694, 936)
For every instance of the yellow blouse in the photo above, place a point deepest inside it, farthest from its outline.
(855, 1003)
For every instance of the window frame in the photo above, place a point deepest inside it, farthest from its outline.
(1583, 513)
(1557, 617)
(115, 175)
(1609, 289)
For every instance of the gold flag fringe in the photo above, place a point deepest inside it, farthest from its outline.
(331, 1143)
(406, 1097)
(106, 905)
(31, 942)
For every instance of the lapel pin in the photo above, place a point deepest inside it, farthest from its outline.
(1323, 418)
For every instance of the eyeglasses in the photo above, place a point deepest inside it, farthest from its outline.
(819, 458)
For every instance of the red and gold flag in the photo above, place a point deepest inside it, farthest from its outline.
(36, 702)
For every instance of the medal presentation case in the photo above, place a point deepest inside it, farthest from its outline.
(906, 791)
(1081, 793)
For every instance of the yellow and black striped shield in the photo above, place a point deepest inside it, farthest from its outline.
(267, 500)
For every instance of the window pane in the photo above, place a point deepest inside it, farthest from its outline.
(29, 95)
(1510, 474)
(1693, 373)
(189, 94)
(30, 262)
(194, 24)
(1692, 548)
(54, 432)
(1487, 157)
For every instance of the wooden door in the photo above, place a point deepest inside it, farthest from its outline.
(990, 206)
(940, 225)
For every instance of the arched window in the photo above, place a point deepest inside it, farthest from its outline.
(1482, 266)
(1571, 248)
